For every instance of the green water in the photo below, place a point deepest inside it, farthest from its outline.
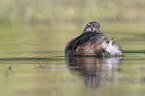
(32, 62)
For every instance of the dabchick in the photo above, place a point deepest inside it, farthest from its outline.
(92, 43)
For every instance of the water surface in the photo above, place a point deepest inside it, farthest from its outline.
(32, 63)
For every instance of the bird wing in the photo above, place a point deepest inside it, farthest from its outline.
(85, 38)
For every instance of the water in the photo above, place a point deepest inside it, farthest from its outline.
(32, 63)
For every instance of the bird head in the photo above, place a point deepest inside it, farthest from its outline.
(93, 27)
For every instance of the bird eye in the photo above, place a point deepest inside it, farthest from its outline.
(89, 26)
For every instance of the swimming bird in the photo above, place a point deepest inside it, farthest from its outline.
(92, 42)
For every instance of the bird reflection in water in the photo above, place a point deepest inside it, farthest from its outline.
(94, 70)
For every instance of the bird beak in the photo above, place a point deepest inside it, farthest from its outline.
(95, 30)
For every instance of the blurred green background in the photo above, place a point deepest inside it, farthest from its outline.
(31, 26)
(33, 35)
(56, 11)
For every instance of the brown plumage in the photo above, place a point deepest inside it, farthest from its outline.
(90, 43)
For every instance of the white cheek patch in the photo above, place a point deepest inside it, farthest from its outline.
(89, 29)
